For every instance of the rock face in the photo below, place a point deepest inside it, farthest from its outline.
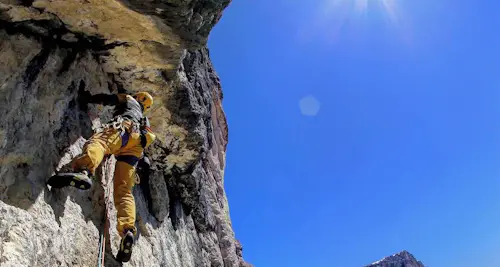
(401, 259)
(48, 48)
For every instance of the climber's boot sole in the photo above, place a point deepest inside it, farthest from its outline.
(125, 252)
(77, 180)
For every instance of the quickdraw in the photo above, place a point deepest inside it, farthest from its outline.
(115, 123)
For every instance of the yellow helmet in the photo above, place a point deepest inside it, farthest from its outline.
(145, 99)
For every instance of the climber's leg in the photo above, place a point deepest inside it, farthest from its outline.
(125, 252)
(79, 180)
(124, 180)
(99, 145)
(94, 150)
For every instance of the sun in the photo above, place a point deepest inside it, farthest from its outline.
(388, 6)
(348, 7)
(333, 17)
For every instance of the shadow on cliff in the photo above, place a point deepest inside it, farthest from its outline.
(92, 201)
(144, 219)
(30, 178)
(191, 20)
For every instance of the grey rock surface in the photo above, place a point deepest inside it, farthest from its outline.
(401, 259)
(47, 49)
(192, 20)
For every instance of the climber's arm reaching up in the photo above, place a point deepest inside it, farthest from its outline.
(103, 99)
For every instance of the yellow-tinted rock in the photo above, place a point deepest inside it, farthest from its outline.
(47, 48)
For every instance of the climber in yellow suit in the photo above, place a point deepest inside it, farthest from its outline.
(126, 137)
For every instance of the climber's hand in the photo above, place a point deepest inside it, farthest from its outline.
(143, 167)
(145, 163)
(83, 96)
(145, 122)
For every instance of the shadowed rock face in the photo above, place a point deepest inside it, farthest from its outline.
(49, 48)
(401, 259)
(192, 20)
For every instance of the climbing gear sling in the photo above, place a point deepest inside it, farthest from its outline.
(115, 123)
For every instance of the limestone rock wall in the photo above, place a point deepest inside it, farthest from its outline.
(48, 48)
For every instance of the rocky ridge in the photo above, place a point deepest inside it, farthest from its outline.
(401, 259)
(47, 49)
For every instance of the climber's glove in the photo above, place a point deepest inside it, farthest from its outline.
(83, 96)
(144, 141)
(145, 122)
(145, 163)
(104, 99)
(144, 166)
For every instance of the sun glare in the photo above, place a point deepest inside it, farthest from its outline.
(386, 6)
(336, 14)
(361, 5)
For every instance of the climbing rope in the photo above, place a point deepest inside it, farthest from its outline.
(102, 242)
(100, 259)
(104, 233)
(117, 123)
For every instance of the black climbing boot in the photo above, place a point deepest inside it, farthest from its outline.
(78, 180)
(126, 244)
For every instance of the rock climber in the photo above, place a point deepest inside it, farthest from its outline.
(126, 137)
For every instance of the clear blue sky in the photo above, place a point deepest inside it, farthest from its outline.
(404, 152)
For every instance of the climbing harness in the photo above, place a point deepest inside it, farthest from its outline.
(117, 123)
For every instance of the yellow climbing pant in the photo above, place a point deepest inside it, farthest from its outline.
(126, 146)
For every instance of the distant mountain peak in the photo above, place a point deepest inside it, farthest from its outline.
(400, 259)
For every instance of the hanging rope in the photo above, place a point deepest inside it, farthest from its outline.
(104, 233)
(102, 242)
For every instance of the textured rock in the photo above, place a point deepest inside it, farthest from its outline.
(192, 20)
(401, 259)
(49, 47)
